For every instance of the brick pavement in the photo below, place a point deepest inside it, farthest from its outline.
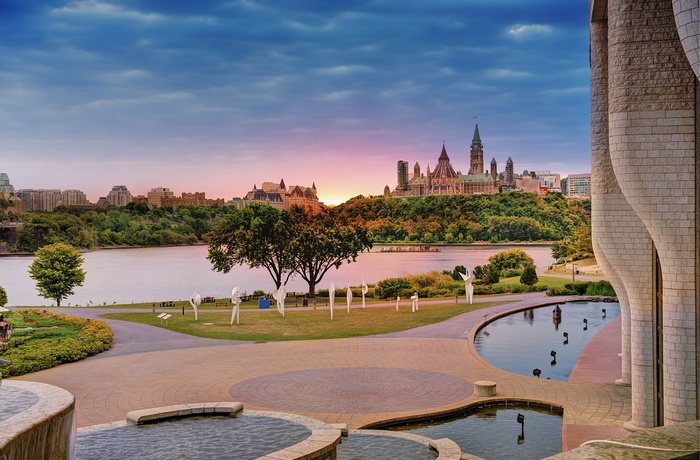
(424, 371)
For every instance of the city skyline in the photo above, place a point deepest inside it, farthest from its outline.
(218, 96)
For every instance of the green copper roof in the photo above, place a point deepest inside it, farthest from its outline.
(477, 138)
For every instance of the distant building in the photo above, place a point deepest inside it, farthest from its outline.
(156, 195)
(281, 197)
(190, 199)
(40, 199)
(549, 180)
(7, 191)
(579, 185)
(444, 180)
(73, 198)
(565, 186)
(119, 196)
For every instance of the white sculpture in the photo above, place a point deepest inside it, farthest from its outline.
(195, 303)
(279, 295)
(236, 300)
(398, 299)
(414, 302)
(365, 290)
(349, 297)
(331, 297)
(468, 288)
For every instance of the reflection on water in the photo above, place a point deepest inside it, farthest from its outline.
(539, 340)
(368, 447)
(243, 437)
(157, 274)
(496, 432)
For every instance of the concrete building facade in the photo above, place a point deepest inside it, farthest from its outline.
(644, 190)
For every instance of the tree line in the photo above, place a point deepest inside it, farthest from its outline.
(495, 218)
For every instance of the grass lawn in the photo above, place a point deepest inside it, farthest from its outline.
(267, 326)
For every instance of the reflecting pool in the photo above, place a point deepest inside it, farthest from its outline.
(494, 432)
(203, 437)
(533, 339)
(372, 447)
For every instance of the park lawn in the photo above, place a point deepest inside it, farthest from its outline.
(264, 326)
(549, 281)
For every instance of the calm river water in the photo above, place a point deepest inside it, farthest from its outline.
(174, 273)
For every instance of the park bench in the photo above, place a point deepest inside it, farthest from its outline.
(221, 304)
(208, 299)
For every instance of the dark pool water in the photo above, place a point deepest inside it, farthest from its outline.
(15, 400)
(205, 437)
(494, 432)
(524, 341)
(373, 447)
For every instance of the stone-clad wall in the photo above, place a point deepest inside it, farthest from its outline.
(621, 243)
(652, 150)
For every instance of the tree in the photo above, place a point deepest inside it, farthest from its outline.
(257, 235)
(57, 270)
(511, 258)
(3, 296)
(324, 241)
(529, 276)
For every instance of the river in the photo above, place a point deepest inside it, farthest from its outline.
(175, 273)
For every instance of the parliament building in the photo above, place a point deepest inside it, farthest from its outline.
(444, 180)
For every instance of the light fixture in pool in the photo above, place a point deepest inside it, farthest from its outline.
(536, 372)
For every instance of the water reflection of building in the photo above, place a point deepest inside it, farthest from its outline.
(644, 190)
(444, 180)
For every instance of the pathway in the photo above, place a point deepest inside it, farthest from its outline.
(358, 381)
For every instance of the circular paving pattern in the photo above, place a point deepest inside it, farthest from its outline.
(352, 390)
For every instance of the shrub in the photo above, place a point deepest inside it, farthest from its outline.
(529, 276)
(577, 288)
(393, 287)
(511, 272)
(75, 339)
(555, 291)
(602, 287)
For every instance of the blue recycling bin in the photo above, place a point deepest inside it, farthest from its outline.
(263, 302)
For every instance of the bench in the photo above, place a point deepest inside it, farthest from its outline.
(164, 316)
(208, 299)
(221, 304)
(167, 303)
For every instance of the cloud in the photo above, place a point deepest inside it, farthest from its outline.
(508, 73)
(528, 30)
(345, 69)
(97, 8)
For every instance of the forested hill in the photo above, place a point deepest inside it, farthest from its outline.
(501, 217)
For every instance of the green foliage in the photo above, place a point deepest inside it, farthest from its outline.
(601, 288)
(3, 296)
(131, 225)
(456, 272)
(529, 276)
(257, 235)
(577, 288)
(391, 288)
(57, 271)
(258, 292)
(36, 349)
(491, 273)
(511, 259)
(513, 216)
(575, 247)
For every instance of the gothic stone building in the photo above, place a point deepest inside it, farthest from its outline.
(645, 129)
(444, 180)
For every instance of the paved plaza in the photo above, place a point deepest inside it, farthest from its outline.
(357, 381)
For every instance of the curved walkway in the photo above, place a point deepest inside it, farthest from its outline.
(358, 381)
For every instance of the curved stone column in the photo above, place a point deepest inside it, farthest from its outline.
(687, 13)
(652, 151)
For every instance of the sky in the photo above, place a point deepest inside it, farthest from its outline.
(221, 95)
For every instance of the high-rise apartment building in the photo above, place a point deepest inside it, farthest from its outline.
(156, 195)
(579, 185)
(119, 196)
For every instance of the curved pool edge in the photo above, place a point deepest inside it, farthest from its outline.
(44, 430)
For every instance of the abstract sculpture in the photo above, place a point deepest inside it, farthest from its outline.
(365, 290)
(468, 288)
(349, 297)
(398, 299)
(414, 302)
(331, 297)
(195, 303)
(236, 301)
(279, 295)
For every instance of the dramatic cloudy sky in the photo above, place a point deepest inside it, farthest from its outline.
(219, 95)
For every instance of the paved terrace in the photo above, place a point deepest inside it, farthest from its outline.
(357, 381)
